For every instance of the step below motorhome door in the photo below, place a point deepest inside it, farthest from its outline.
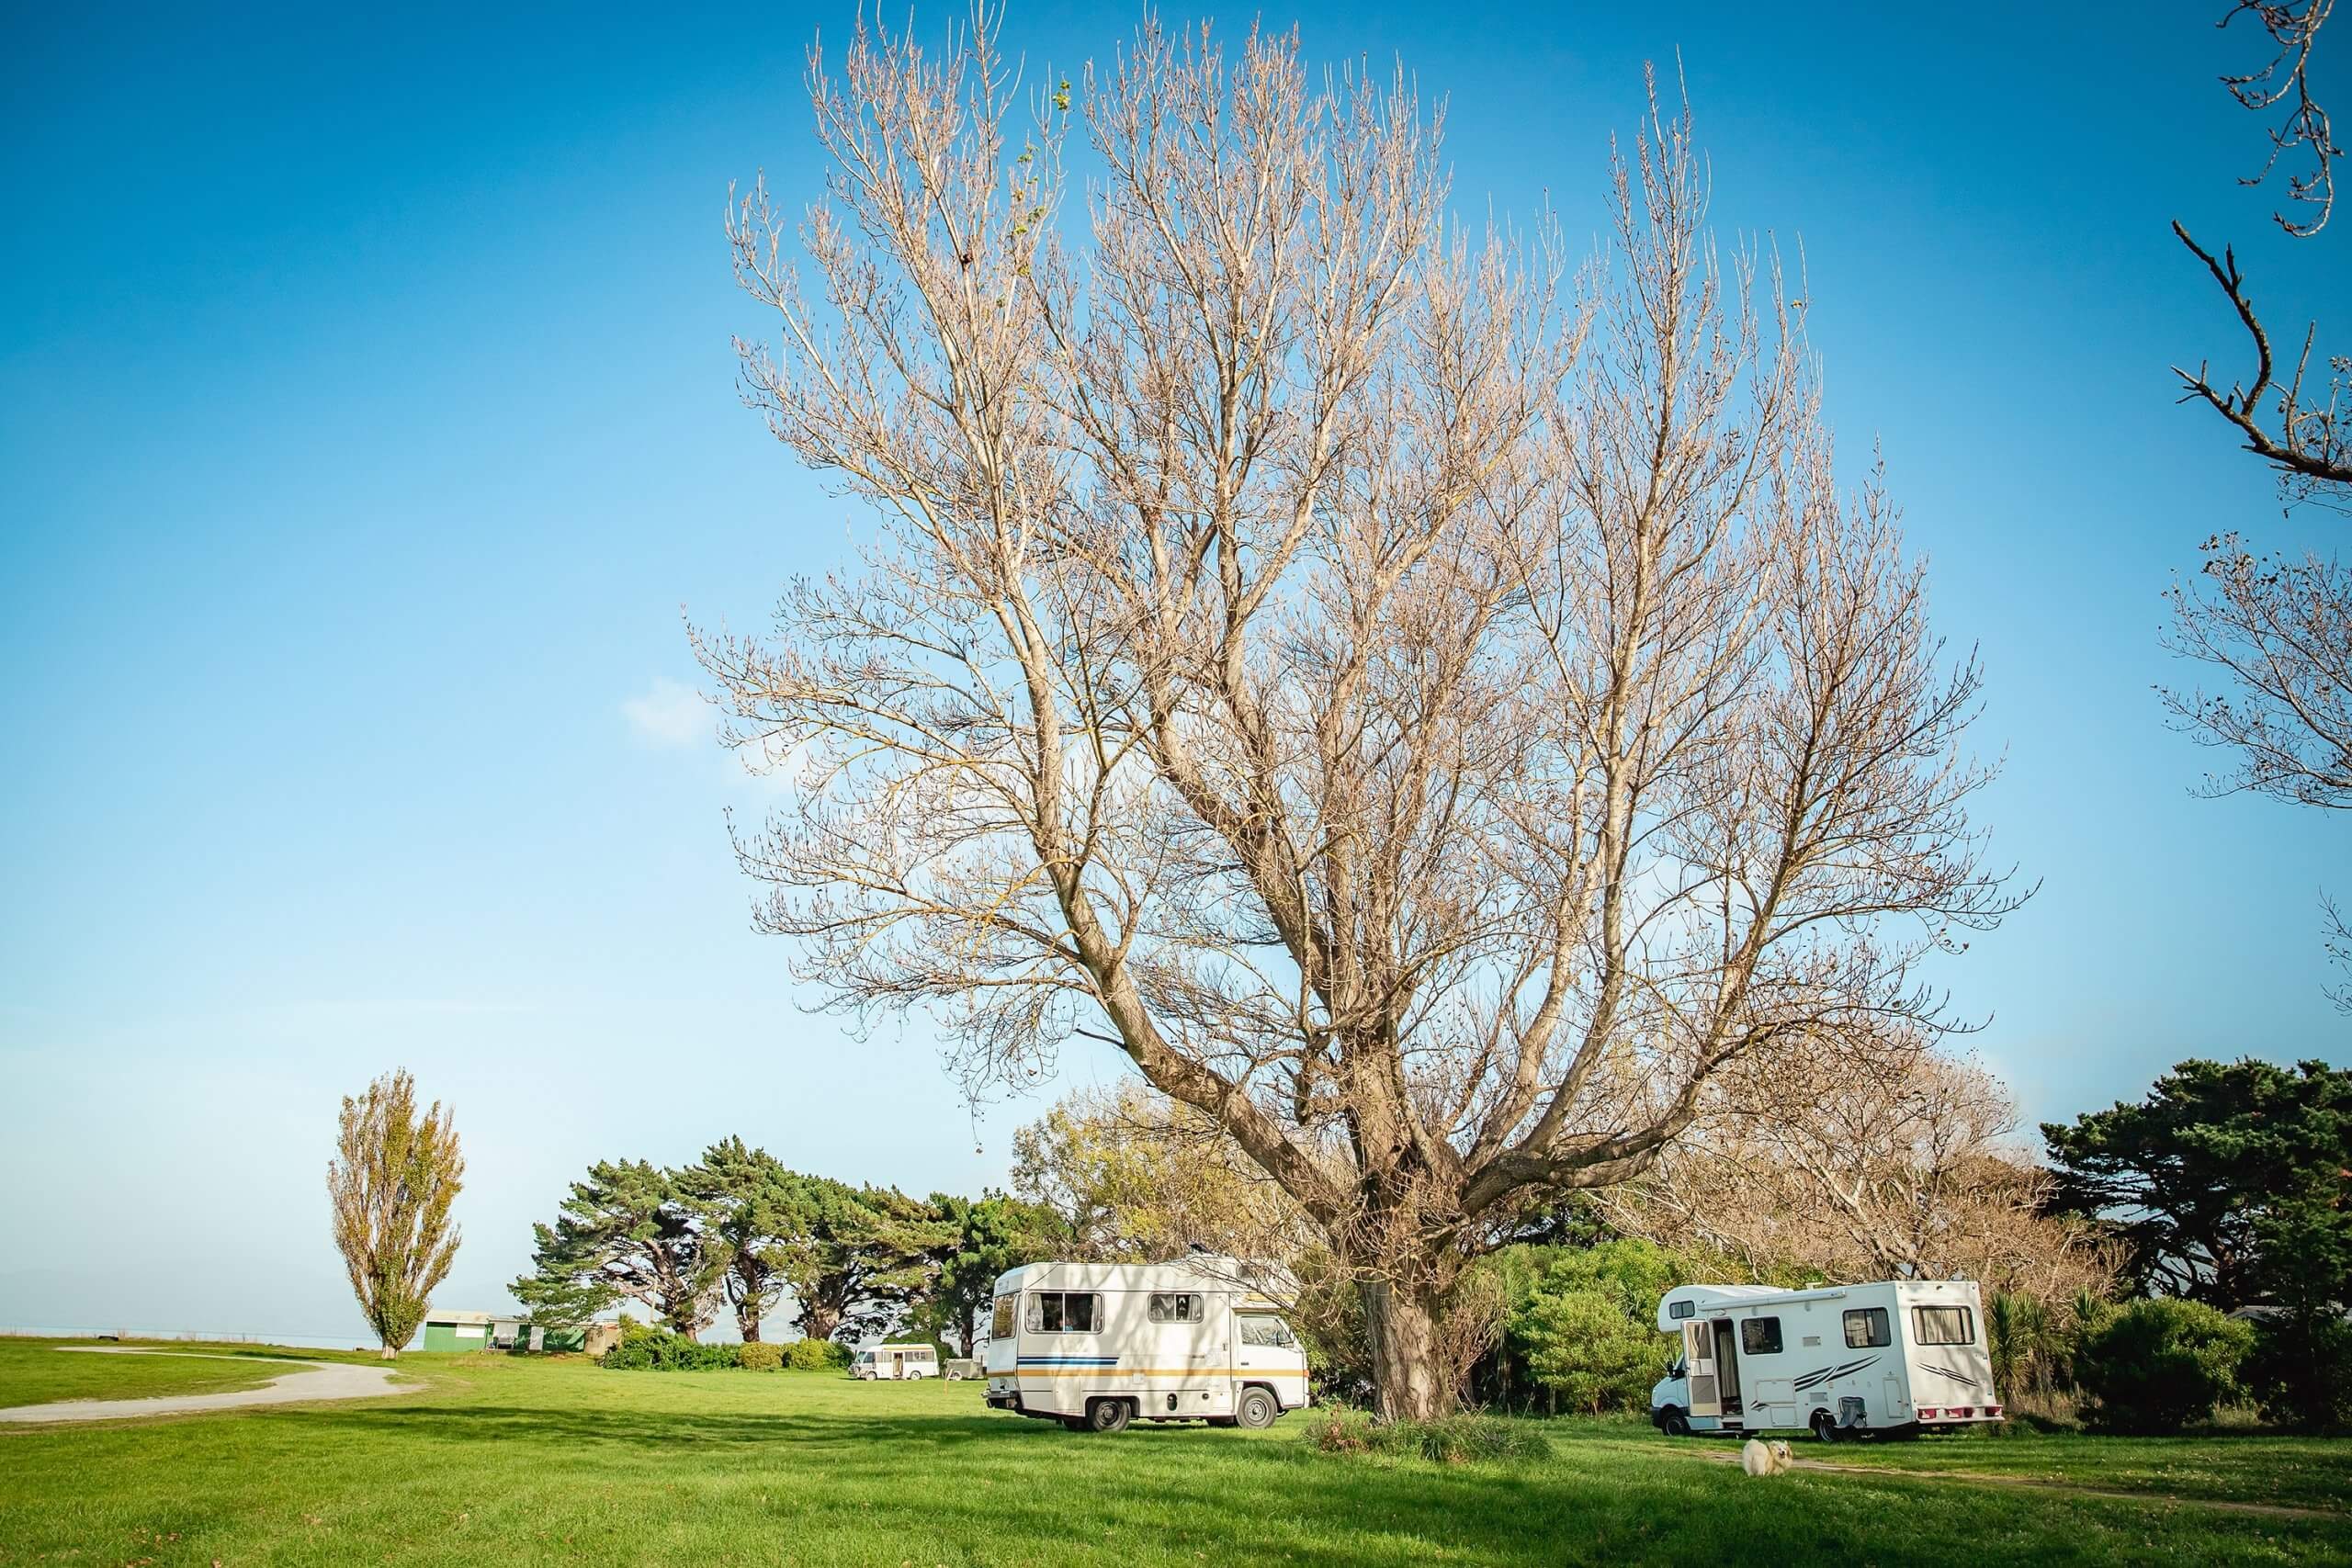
(1699, 1360)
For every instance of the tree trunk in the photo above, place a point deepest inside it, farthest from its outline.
(391, 1352)
(1410, 1381)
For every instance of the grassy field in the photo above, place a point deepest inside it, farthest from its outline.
(2309, 1473)
(33, 1372)
(501, 1459)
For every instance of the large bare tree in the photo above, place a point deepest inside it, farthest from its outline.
(1904, 1165)
(1428, 712)
(395, 1174)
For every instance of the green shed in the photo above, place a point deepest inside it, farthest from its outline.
(458, 1330)
(490, 1331)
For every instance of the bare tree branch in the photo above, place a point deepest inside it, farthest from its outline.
(2310, 443)
(2293, 26)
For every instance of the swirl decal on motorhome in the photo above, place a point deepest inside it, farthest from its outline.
(1823, 1374)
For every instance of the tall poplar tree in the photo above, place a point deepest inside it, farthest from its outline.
(393, 1179)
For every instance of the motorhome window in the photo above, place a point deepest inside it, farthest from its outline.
(1262, 1329)
(1064, 1312)
(1178, 1307)
(1867, 1329)
(1681, 1309)
(1944, 1326)
(1001, 1323)
(1761, 1336)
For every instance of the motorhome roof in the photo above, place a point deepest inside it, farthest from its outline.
(1201, 1272)
(1764, 1295)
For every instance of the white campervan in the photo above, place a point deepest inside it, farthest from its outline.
(893, 1362)
(1097, 1345)
(1889, 1360)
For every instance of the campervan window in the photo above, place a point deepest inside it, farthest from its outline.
(1064, 1312)
(1761, 1336)
(1943, 1325)
(1867, 1329)
(1265, 1328)
(1001, 1323)
(1177, 1307)
(1681, 1309)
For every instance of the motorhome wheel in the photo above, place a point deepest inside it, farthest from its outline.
(1107, 1415)
(1256, 1408)
(1673, 1422)
(1824, 1427)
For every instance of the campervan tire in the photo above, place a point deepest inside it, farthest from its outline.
(1108, 1415)
(1256, 1408)
(1673, 1422)
(1824, 1427)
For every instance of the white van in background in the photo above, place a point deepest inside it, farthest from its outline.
(1889, 1360)
(894, 1363)
(1097, 1345)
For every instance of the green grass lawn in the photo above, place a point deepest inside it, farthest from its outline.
(2310, 1473)
(33, 1371)
(504, 1460)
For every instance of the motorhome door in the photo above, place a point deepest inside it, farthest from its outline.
(1699, 1360)
(1192, 1330)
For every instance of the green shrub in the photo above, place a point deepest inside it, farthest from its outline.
(815, 1356)
(2300, 1371)
(2153, 1367)
(761, 1358)
(646, 1348)
(1455, 1439)
(1588, 1352)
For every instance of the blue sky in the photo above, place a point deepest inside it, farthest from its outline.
(370, 419)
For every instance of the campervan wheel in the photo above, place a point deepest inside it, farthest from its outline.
(1824, 1427)
(1256, 1407)
(1108, 1415)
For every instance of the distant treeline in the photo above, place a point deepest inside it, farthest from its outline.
(737, 1229)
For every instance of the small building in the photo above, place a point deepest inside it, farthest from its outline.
(453, 1330)
(446, 1330)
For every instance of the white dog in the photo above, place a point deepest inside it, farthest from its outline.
(1759, 1458)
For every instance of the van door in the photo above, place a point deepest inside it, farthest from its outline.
(1266, 1351)
(1209, 1347)
(1699, 1357)
(1186, 1365)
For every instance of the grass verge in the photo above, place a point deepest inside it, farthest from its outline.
(35, 1371)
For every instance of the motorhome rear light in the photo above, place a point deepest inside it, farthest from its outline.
(1993, 1411)
(1926, 1413)
(1963, 1411)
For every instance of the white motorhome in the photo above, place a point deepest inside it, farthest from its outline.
(895, 1362)
(1097, 1345)
(1889, 1360)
